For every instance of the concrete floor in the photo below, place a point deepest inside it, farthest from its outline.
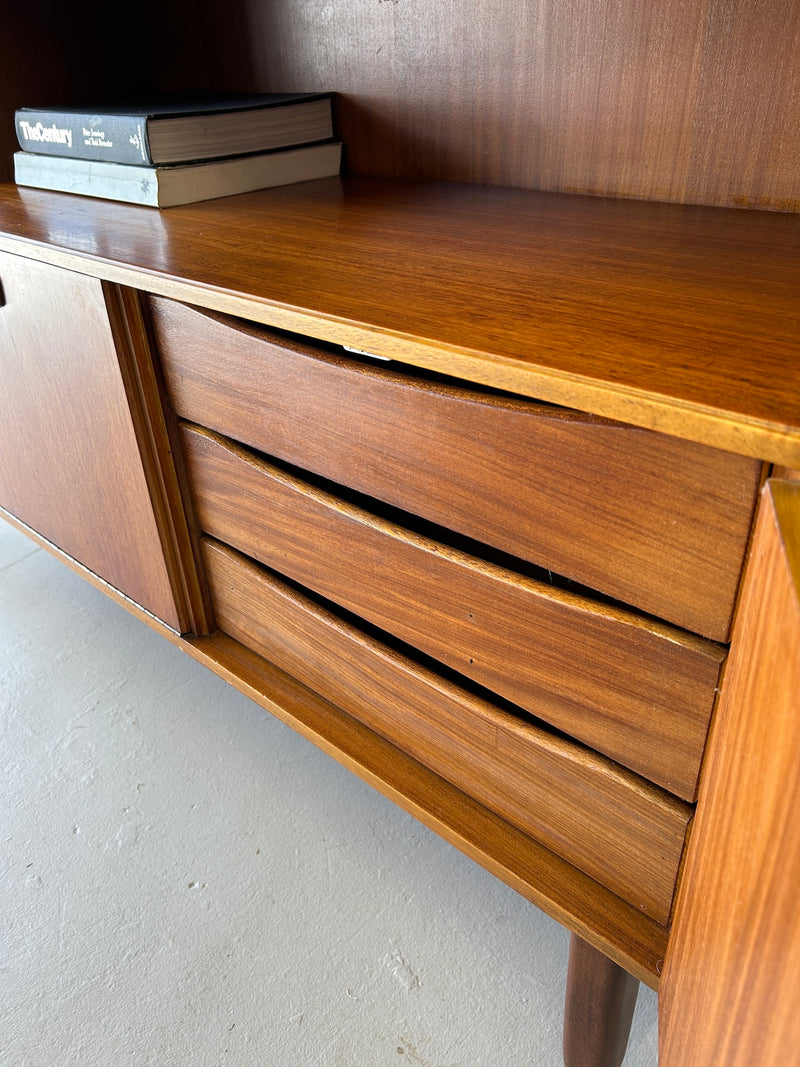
(186, 881)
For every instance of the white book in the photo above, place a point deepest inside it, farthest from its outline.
(168, 186)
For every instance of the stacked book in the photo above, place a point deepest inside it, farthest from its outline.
(180, 150)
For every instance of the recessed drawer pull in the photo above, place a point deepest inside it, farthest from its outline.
(636, 690)
(647, 519)
(623, 832)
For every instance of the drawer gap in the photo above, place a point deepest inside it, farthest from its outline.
(550, 788)
(639, 691)
(416, 525)
(429, 663)
(413, 372)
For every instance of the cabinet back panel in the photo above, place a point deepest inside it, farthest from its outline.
(693, 102)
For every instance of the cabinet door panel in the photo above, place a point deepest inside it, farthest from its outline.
(70, 466)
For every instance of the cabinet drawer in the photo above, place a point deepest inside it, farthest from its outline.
(636, 690)
(649, 520)
(623, 832)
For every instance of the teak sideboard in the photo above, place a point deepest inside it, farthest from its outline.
(462, 483)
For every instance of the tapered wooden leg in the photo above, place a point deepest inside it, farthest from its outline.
(599, 1008)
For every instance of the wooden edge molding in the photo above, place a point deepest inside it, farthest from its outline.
(786, 504)
(160, 456)
(771, 441)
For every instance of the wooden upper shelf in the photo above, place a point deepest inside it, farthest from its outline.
(679, 318)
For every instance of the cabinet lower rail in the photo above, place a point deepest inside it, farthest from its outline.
(633, 940)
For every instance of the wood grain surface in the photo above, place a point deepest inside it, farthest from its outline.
(694, 102)
(598, 1008)
(612, 825)
(156, 434)
(70, 465)
(648, 519)
(634, 940)
(731, 989)
(680, 319)
(636, 690)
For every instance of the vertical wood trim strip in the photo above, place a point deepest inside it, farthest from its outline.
(160, 457)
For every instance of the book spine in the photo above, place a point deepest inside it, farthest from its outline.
(136, 185)
(107, 138)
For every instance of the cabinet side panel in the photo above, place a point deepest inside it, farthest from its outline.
(69, 462)
(732, 975)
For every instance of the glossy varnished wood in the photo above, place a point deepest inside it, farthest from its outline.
(692, 102)
(651, 520)
(687, 325)
(156, 431)
(70, 466)
(598, 1010)
(612, 825)
(620, 930)
(682, 319)
(634, 689)
(681, 101)
(733, 967)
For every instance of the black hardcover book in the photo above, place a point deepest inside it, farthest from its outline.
(178, 129)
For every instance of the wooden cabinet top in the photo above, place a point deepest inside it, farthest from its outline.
(679, 318)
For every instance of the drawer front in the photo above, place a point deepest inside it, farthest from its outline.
(635, 690)
(621, 831)
(646, 519)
